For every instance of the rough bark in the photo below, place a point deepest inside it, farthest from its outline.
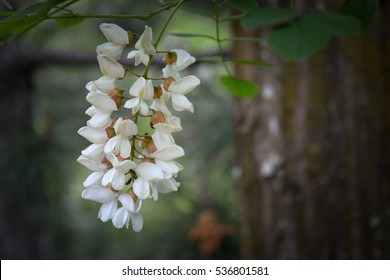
(313, 149)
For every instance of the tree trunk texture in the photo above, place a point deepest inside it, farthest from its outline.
(313, 148)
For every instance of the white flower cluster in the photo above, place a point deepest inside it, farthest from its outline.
(128, 164)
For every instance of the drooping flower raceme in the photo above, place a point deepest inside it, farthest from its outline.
(128, 162)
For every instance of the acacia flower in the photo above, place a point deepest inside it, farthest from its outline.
(107, 197)
(101, 109)
(176, 61)
(178, 89)
(115, 33)
(120, 143)
(117, 39)
(109, 67)
(128, 213)
(142, 90)
(116, 175)
(166, 148)
(144, 48)
(147, 173)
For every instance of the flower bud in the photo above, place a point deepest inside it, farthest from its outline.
(110, 131)
(148, 144)
(167, 82)
(158, 92)
(170, 58)
(157, 117)
(116, 94)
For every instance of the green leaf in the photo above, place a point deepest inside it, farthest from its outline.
(298, 40)
(335, 24)
(240, 87)
(364, 10)
(243, 5)
(69, 20)
(263, 17)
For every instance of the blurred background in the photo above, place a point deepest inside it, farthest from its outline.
(301, 171)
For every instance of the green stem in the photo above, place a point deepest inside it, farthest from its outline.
(219, 40)
(161, 34)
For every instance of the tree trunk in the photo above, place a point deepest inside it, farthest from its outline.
(313, 149)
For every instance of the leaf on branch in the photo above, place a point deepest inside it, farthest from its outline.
(243, 5)
(68, 20)
(298, 40)
(263, 17)
(364, 10)
(335, 24)
(240, 87)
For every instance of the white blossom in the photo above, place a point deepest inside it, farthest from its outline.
(178, 89)
(116, 175)
(142, 90)
(120, 143)
(147, 173)
(183, 60)
(144, 48)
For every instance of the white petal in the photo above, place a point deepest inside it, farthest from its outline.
(93, 135)
(168, 153)
(129, 128)
(100, 119)
(137, 222)
(114, 160)
(114, 33)
(167, 186)
(120, 218)
(101, 101)
(149, 171)
(132, 54)
(154, 191)
(104, 84)
(162, 139)
(107, 178)
(169, 167)
(118, 180)
(144, 108)
(127, 202)
(108, 210)
(94, 178)
(159, 105)
(145, 41)
(138, 87)
(141, 188)
(184, 59)
(143, 57)
(94, 152)
(125, 149)
(170, 71)
(132, 103)
(149, 90)
(110, 67)
(181, 103)
(112, 50)
(98, 194)
(184, 85)
(90, 164)
(126, 165)
(111, 145)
